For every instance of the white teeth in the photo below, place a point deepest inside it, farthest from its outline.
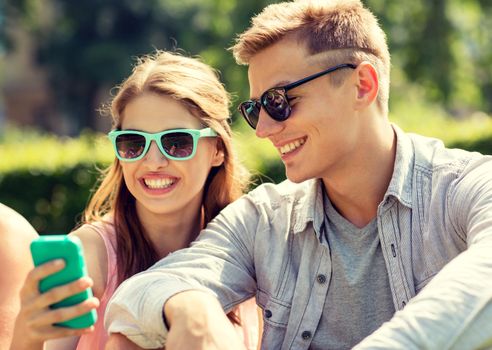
(289, 147)
(158, 183)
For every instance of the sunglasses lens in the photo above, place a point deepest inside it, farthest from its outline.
(251, 112)
(276, 105)
(178, 144)
(130, 146)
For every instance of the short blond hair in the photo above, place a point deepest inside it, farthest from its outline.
(344, 27)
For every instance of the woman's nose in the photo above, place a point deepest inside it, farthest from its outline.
(155, 156)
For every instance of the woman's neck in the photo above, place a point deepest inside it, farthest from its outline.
(170, 232)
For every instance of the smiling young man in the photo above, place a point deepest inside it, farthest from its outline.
(339, 254)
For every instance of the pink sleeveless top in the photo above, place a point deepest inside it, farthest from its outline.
(247, 311)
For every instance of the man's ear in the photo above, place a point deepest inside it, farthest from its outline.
(367, 85)
(218, 157)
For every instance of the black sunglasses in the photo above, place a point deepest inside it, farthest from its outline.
(276, 101)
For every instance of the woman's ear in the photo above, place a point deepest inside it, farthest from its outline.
(367, 85)
(218, 157)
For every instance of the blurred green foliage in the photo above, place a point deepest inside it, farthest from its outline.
(51, 201)
(441, 82)
(37, 152)
(443, 46)
(88, 45)
(49, 179)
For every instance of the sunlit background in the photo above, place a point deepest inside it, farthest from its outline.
(59, 60)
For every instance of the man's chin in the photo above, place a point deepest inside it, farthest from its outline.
(296, 177)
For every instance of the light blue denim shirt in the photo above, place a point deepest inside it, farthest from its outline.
(434, 223)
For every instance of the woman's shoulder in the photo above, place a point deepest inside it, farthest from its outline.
(97, 234)
(96, 256)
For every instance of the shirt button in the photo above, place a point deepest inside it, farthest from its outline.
(306, 335)
(268, 313)
(393, 250)
(321, 279)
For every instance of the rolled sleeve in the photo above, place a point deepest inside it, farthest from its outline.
(136, 309)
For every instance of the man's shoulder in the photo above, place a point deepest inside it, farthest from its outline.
(286, 190)
(432, 155)
(450, 172)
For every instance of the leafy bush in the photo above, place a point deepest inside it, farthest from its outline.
(36, 152)
(48, 179)
(51, 201)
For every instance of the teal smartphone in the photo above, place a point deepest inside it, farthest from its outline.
(68, 248)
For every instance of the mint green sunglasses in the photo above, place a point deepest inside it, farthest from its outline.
(175, 144)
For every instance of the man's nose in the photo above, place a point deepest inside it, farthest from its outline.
(267, 126)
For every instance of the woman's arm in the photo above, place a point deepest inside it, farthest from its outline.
(36, 319)
(34, 324)
(96, 258)
(260, 326)
(16, 235)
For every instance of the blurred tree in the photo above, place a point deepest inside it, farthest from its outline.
(441, 52)
(88, 45)
(444, 46)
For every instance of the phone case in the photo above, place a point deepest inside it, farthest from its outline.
(68, 248)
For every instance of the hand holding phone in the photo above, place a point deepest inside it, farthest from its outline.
(68, 248)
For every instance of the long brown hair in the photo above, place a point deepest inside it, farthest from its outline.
(197, 86)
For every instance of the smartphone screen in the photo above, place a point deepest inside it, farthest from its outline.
(68, 248)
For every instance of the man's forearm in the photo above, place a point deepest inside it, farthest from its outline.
(187, 305)
(453, 312)
(196, 321)
(136, 310)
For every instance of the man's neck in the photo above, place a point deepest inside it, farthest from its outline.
(357, 189)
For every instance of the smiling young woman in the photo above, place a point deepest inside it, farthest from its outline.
(174, 170)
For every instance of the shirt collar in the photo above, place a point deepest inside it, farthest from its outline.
(400, 186)
(310, 207)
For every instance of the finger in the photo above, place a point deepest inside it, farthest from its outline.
(56, 332)
(60, 293)
(31, 283)
(49, 318)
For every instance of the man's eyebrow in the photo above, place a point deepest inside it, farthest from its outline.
(277, 85)
(282, 83)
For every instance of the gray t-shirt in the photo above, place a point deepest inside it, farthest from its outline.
(359, 296)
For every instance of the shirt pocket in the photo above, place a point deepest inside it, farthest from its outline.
(275, 319)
